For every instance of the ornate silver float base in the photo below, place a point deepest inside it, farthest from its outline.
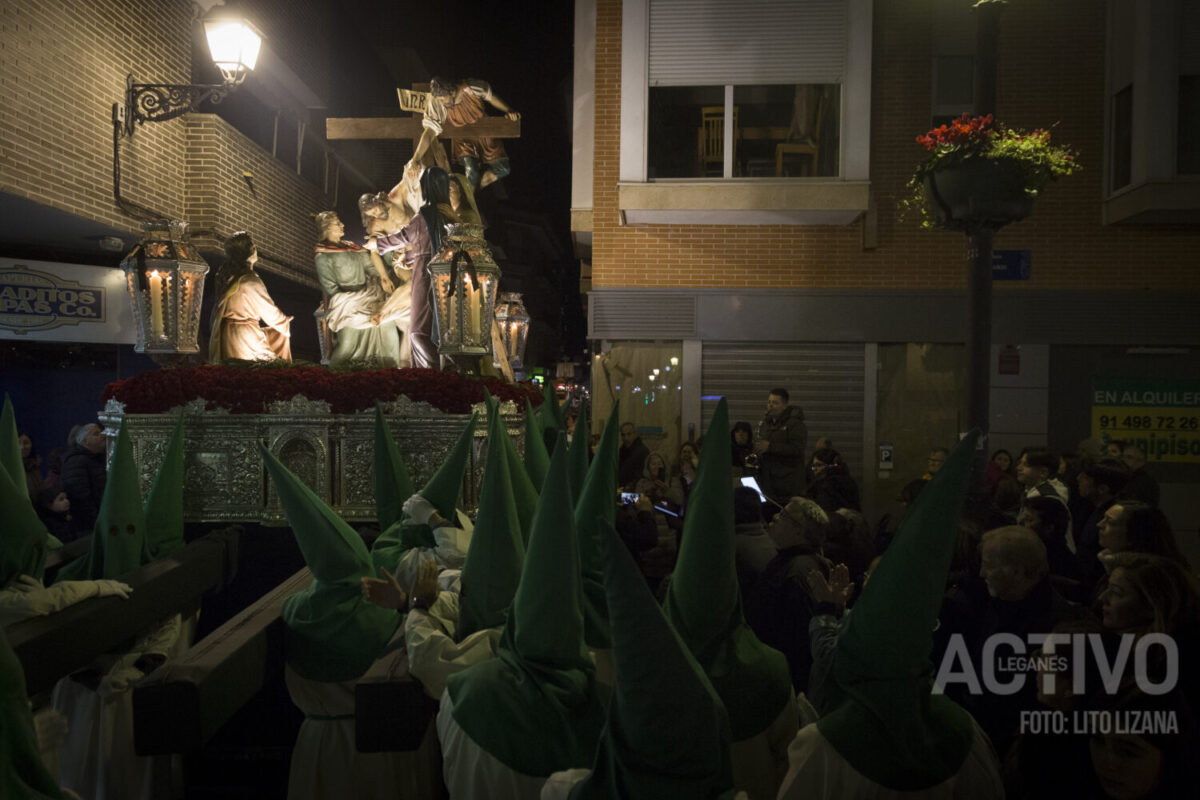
(334, 454)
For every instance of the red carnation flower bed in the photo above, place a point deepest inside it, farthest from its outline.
(249, 390)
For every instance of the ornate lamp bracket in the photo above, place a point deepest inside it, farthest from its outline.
(159, 102)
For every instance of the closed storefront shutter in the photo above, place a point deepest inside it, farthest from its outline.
(825, 380)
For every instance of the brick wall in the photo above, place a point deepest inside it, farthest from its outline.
(63, 65)
(1051, 70)
(276, 206)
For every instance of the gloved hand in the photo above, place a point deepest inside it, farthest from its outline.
(418, 509)
(50, 727)
(111, 588)
(118, 680)
(25, 584)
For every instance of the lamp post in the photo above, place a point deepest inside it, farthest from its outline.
(513, 320)
(165, 278)
(464, 277)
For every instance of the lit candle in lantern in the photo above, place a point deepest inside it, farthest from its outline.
(156, 309)
(472, 300)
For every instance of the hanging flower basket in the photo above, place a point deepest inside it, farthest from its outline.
(978, 192)
(980, 173)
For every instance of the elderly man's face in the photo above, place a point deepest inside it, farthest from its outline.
(94, 441)
(1005, 579)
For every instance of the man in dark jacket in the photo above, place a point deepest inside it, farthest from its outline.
(780, 604)
(780, 448)
(84, 475)
(632, 456)
(1020, 602)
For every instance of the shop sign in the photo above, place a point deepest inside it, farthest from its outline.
(1161, 416)
(63, 302)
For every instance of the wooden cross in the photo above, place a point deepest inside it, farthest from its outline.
(497, 127)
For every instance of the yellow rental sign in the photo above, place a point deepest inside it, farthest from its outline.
(1162, 417)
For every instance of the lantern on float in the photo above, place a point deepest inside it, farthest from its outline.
(165, 278)
(464, 276)
(513, 321)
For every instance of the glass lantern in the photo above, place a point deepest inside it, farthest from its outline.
(513, 320)
(165, 278)
(464, 277)
(233, 42)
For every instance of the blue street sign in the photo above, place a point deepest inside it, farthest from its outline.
(1011, 265)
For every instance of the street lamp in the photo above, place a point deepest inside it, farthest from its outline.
(165, 278)
(233, 43)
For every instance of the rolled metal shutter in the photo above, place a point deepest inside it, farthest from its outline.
(826, 381)
(746, 42)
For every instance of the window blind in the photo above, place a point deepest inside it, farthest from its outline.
(746, 42)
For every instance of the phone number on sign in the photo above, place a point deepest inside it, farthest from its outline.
(1143, 422)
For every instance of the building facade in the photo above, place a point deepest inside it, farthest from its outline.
(769, 264)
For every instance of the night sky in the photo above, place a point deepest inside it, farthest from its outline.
(524, 49)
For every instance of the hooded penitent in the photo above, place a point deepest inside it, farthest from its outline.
(164, 504)
(705, 606)
(393, 484)
(534, 706)
(577, 456)
(119, 536)
(23, 536)
(525, 493)
(597, 504)
(333, 634)
(493, 565)
(550, 416)
(441, 491)
(667, 733)
(22, 774)
(22, 533)
(10, 445)
(537, 460)
(446, 484)
(887, 724)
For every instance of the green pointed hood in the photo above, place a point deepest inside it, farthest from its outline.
(704, 603)
(23, 535)
(534, 706)
(667, 733)
(537, 460)
(333, 634)
(550, 413)
(164, 503)
(888, 725)
(577, 456)
(393, 485)
(119, 536)
(10, 446)
(22, 773)
(597, 504)
(525, 494)
(492, 568)
(444, 487)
